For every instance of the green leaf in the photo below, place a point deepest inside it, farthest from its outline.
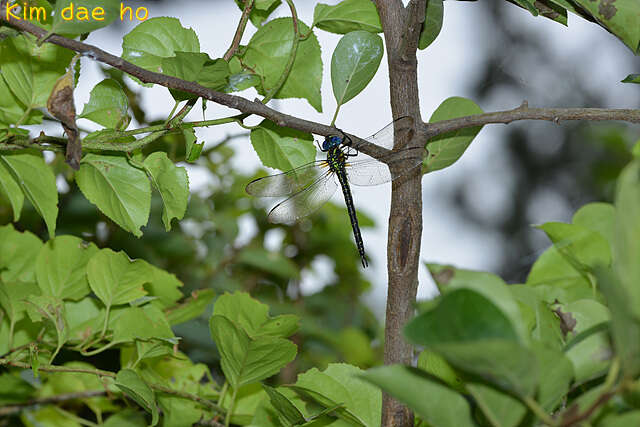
(242, 310)
(355, 61)
(52, 309)
(626, 243)
(287, 409)
(598, 217)
(583, 248)
(193, 307)
(83, 16)
(14, 389)
(85, 318)
(214, 74)
(347, 16)
(626, 419)
(30, 71)
(589, 357)
(121, 191)
(625, 327)
(435, 365)
(11, 190)
(192, 149)
(157, 38)
(18, 252)
(444, 407)
(490, 286)
(503, 363)
(340, 386)
(446, 149)
(261, 10)
(282, 148)
(196, 67)
(37, 182)
(108, 105)
(556, 375)
(186, 66)
(632, 78)
(115, 279)
(126, 418)
(13, 296)
(133, 386)
(268, 54)
(253, 316)
(621, 17)
(173, 184)
(144, 323)
(554, 278)
(432, 23)
(12, 110)
(537, 317)
(245, 360)
(61, 267)
(469, 316)
(271, 262)
(162, 285)
(500, 409)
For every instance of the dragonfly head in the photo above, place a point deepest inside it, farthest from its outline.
(331, 142)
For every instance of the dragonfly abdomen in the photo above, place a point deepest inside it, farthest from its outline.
(351, 210)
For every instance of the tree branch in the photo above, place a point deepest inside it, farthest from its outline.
(523, 112)
(231, 101)
(417, 10)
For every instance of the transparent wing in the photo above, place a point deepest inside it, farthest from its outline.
(384, 137)
(365, 170)
(305, 201)
(286, 183)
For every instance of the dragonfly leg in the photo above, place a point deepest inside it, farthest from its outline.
(319, 146)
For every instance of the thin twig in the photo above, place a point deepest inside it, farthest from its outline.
(16, 408)
(101, 373)
(248, 5)
(53, 368)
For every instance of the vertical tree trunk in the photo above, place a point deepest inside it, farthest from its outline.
(401, 32)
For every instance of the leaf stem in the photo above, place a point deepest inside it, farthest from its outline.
(335, 115)
(539, 411)
(292, 56)
(237, 37)
(227, 419)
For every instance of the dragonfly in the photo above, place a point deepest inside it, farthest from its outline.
(309, 186)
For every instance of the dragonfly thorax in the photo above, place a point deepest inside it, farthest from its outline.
(331, 142)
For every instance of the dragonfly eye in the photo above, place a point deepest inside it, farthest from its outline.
(336, 140)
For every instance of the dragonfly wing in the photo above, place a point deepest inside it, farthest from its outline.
(305, 201)
(367, 171)
(384, 137)
(286, 183)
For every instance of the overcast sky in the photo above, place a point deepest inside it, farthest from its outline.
(444, 71)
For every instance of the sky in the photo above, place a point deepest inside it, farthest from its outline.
(444, 70)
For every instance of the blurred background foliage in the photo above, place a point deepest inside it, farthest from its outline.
(545, 167)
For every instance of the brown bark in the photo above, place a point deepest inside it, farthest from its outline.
(401, 31)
